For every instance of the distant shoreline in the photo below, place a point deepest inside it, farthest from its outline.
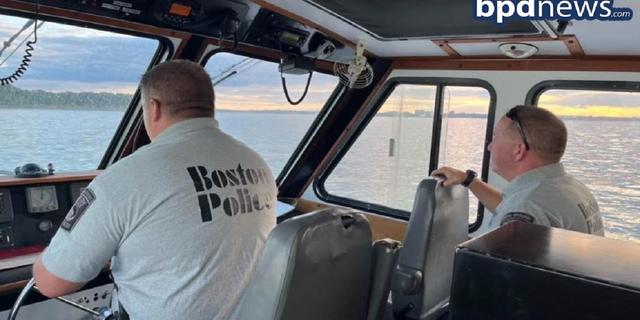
(313, 113)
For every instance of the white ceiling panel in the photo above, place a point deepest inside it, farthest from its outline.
(596, 37)
(491, 49)
(377, 47)
(609, 37)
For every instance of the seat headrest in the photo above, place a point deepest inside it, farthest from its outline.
(438, 222)
(314, 266)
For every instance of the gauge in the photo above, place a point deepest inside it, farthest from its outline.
(45, 226)
(42, 199)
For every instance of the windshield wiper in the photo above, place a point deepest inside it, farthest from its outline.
(7, 43)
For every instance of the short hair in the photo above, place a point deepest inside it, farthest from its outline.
(182, 87)
(545, 132)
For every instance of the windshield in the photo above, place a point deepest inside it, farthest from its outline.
(251, 104)
(70, 100)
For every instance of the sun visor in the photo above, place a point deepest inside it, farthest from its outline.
(407, 19)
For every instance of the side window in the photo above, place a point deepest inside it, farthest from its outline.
(603, 151)
(391, 156)
(251, 105)
(68, 104)
(463, 140)
(387, 161)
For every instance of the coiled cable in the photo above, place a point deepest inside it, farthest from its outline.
(26, 59)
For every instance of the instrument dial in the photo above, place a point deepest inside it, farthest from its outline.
(42, 199)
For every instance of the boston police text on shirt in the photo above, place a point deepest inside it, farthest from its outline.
(242, 202)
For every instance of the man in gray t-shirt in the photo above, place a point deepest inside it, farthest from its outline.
(526, 149)
(183, 220)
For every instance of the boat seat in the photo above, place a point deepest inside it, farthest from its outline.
(313, 267)
(421, 284)
(386, 253)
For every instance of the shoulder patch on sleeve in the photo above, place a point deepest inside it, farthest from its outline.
(517, 216)
(79, 208)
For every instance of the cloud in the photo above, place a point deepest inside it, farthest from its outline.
(591, 103)
(584, 99)
(10, 25)
(62, 64)
(269, 98)
(257, 85)
(409, 98)
(261, 73)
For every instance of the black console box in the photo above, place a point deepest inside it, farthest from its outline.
(524, 271)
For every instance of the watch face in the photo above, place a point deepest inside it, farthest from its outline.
(42, 199)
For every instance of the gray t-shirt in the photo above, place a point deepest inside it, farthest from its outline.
(550, 197)
(184, 218)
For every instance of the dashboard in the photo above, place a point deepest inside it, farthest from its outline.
(31, 212)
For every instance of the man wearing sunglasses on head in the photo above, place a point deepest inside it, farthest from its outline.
(526, 149)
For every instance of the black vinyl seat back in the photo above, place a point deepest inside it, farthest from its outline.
(313, 267)
(439, 222)
(386, 253)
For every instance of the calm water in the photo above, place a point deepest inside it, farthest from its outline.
(605, 159)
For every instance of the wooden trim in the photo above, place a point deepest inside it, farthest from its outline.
(128, 147)
(257, 51)
(630, 65)
(444, 45)
(505, 59)
(307, 206)
(18, 285)
(381, 227)
(506, 39)
(574, 47)
(309, 23)
(86, 17)
(180, 47)
(260, 52)
(570, 41)
(58, 177)
(385, 227)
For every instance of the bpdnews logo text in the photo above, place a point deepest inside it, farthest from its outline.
(501, 11)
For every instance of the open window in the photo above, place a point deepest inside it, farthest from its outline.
(603, 149)
(417, 126)
(73, 95)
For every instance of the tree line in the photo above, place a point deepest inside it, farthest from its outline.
(13, 97)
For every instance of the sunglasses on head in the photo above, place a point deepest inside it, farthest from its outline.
(513, 115)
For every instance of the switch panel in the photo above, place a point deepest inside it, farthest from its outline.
(6, 238)
(6, 208)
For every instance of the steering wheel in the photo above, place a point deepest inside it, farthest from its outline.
(102, 313)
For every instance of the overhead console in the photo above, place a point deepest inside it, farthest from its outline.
(226, 19)
(208, 18)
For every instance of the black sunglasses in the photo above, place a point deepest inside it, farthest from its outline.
(513, 115)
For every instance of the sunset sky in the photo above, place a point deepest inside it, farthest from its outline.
(76, 59)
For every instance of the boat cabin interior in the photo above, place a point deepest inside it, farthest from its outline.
(353, 104)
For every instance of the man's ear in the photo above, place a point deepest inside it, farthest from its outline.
(519, 151)
(155, 110)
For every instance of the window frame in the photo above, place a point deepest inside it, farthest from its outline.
(165, 49)
(336, 95)
(374, 106)
(534, 94)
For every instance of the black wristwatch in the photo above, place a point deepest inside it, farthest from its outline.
(470, 176)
